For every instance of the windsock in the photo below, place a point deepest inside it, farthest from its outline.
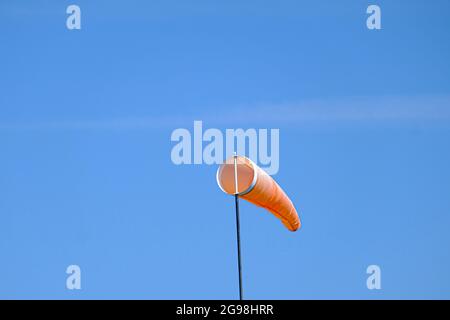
(239, 175)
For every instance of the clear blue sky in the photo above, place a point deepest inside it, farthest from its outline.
(86, 176)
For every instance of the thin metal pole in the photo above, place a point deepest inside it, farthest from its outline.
(238, 229)
(238, 226)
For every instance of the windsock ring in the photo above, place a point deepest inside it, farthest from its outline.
(251, 185)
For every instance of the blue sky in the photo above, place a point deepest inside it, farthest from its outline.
(86, 176)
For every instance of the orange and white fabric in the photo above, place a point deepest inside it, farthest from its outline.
(257, 187)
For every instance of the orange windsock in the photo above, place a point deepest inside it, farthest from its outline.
(239, 175)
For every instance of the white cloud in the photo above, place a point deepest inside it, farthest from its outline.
(347, 111)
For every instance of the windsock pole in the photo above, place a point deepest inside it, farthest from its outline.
(238, 227)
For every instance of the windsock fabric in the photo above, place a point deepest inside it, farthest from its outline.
(257, 187)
